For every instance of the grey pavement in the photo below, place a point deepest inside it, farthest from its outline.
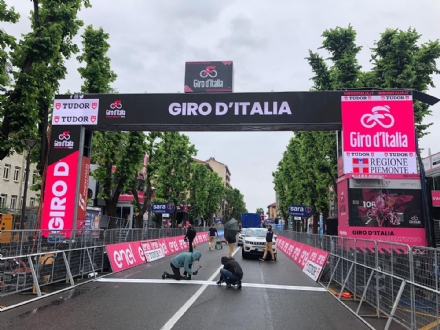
(121, 305)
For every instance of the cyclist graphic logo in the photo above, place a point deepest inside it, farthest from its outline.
(115, 110)
(210, 71)
(380, 116)
(63, 141)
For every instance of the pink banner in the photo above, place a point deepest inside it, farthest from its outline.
(125, 255)
(301, 253)
(378, 124)
(172, 245)
(436, 198)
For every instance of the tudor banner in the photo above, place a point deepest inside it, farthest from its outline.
(77, 111)
(379, 133)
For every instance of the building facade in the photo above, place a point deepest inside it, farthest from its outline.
(12, 177)
(221, 169)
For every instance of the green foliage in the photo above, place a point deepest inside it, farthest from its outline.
(174, 158)
(36, 67)
(118, 155)
(309, 165)
(235, 201)
(260, 210)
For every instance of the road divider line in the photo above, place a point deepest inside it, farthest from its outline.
(176, 317)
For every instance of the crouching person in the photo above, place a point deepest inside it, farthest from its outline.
(231, 273)
(183, 260)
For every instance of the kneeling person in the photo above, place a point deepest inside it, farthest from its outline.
(183, 260)
(231, 273)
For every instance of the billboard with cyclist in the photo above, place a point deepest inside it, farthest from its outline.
(379, 134)
(208, 77)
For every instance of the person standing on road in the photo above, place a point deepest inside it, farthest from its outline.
(231, 273)
(231, 239)
(190, 235)
(212, 234)
(269, 242)
(183, 260)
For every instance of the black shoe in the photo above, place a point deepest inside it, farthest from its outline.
(219, 282)
(229, 286)
(239, 285)
(164, 275)
(261, 259)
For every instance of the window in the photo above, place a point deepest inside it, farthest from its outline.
(21, 202)
(6, 171)
(13, 202)
(32, 201)
(16, 173)
(3, 199)
(34, 180)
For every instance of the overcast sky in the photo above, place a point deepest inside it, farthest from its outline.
(266, 40)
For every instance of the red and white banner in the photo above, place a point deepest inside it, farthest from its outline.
(75, 112)
(301, 254)
(83, 187)
(125, 255)
(59, 196)
(177, 244)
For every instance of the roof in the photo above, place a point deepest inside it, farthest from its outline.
(272, 205)
(212, 158)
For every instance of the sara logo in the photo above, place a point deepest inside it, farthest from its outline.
(115, 110)
(380, 116)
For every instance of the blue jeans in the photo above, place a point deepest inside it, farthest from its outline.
(227, 277)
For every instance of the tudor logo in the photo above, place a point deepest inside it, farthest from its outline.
(58, 105)
(92, 119)
(94, 105)
(56, 119)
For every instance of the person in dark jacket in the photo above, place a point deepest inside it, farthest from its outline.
(231, 242)
(183, 260)
(190, 235)
(231, 273)
(269, 242)
(212, 234)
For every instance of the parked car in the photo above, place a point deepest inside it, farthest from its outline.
(254, 243)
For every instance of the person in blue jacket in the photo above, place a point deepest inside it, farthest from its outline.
(183, 260)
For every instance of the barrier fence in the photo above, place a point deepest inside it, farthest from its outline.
(399, 283)
(33, 259)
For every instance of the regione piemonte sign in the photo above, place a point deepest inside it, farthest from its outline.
(208, 77)
(378, 133)
(75, 112)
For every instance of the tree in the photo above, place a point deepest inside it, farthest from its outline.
(235, 201)
(199, 190)
(118, 155)
(260, 210)
(398, 62)
(153, 139)
(174, 157)
(216, 192)
(39, 55)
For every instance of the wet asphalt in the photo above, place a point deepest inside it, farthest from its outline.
(130, 306)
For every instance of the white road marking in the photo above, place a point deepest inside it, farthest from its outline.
(173, 320)
(248, 285)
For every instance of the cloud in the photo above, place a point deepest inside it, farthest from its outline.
(152, 40)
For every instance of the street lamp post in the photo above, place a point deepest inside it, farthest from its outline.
(30, 144)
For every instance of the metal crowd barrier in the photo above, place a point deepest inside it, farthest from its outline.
(31, 259)
(385, 279)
